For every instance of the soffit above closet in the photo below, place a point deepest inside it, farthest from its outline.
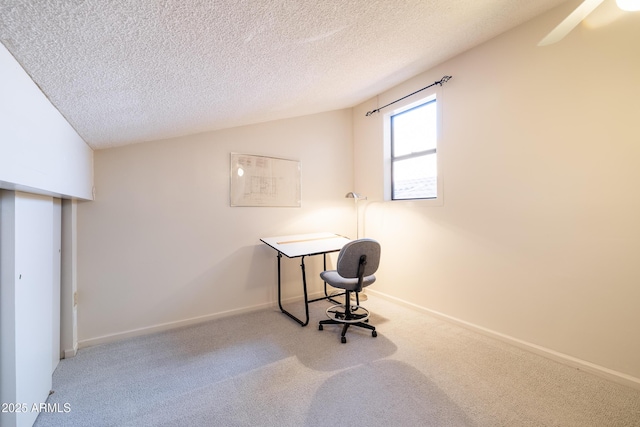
(128, 71)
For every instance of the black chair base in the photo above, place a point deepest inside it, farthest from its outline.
(347, 319)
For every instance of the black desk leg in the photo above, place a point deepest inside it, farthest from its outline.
(304, 283)
(326, 294)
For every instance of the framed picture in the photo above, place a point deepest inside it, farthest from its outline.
(264, 181)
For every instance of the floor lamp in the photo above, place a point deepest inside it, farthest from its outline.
(356, 197)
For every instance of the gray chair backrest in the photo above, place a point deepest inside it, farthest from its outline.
(349, 258)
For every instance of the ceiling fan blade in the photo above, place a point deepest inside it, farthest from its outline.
(570, 22)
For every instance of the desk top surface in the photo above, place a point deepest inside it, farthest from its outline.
(306, 244)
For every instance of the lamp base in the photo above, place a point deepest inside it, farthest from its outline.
(361, 296)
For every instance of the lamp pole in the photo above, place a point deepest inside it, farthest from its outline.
(356, 197)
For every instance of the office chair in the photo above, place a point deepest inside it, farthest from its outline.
(357, 262)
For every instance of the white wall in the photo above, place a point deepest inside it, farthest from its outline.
(39, 151)
(160, 244)
(538, 238)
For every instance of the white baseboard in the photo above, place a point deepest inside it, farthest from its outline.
(574, 362)
(180, 323)
(69, 353)
(167, 326)
(565, 359)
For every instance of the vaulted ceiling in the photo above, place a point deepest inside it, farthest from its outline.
(127, 71)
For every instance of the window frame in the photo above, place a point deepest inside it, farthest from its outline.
(388, 152)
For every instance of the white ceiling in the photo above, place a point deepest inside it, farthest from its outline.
(127, 71)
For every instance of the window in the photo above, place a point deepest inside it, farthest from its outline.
(414, 166)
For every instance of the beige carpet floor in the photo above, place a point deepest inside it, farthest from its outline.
(262, 369)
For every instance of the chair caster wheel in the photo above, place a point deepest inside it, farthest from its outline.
(343, 340)
(320, 327)
(374, 334)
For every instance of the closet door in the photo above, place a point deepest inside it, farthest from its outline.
(26, 303)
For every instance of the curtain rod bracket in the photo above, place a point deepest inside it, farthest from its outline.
(439, 82)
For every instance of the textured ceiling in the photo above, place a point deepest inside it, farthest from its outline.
(127, 71)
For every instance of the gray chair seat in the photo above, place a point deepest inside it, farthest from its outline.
(348, 284)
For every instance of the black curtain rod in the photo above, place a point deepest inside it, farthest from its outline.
(439, 82)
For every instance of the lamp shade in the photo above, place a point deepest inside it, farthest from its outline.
(629, 5)
(352, 195)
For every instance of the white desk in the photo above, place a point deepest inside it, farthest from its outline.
(300, 246)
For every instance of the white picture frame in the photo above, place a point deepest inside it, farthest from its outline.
(263, 181)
